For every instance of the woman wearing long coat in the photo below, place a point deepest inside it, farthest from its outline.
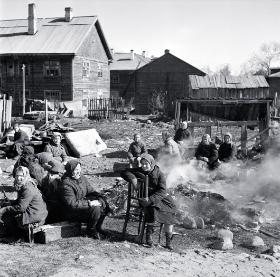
(80, 201)
(159, 206)
(29, 206)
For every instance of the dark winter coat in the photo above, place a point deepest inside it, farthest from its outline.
(20, 137)
(29, 204)
(207, 150)
(163, 204)
(226, 152)
(136, 149)
(182, 134)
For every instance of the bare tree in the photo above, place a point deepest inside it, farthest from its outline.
(224, 70)
(260, 63)
(157, 103)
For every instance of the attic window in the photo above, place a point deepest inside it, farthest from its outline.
(86, 69)
(10, 70)
(99, 71)
(51, 68)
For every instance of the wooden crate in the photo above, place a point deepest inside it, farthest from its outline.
(52, 232)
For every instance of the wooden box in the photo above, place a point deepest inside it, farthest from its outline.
(52, 232)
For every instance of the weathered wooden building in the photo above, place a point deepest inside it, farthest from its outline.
(165, 76)
(226, 101)
(274, 87)
(65, 59)
(122, 71)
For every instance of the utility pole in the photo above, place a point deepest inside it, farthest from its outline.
(23, 89)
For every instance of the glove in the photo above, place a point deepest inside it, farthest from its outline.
(143, 202)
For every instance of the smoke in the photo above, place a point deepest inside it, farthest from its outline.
(247, 185)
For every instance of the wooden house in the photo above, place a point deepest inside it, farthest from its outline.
(165, 77)
(122, 71)
(65, 59)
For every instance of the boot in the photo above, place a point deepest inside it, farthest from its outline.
(168, 241)
(149, 232)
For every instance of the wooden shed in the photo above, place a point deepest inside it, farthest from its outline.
(226, 101)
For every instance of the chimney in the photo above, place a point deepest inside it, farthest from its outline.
(68, 14)
(32, 19)
(132, 54)
(112, 51)
(166, 51)
(144, 54)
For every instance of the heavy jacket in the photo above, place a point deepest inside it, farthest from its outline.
(20, 137)
(159, 199)
(58, 152)
(136, 149)
(74, 192)
(182, 134)
(30, 204)
(226, 152)
(207, 150)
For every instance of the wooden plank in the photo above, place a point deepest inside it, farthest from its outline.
(1, 114)
(244, 138)
(223, 123)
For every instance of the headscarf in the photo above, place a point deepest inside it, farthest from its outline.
(44, 157)
(56, 134)
(56, 167)
(28, 150)
(70, 167)
(229, 135)
(184, 125)
(26, 175)
(150, 159)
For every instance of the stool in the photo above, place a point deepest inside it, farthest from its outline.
(134, 195)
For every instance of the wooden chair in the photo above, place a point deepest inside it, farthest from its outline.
(132, 203)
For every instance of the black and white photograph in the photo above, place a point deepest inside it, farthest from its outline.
(139, 138)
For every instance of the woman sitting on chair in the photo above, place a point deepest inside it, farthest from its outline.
(159, 206)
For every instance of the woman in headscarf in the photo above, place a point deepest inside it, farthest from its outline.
(80, 201)
(227, 149)
(29, 206)
(159, 206)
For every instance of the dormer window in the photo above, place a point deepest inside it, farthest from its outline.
(99, 71)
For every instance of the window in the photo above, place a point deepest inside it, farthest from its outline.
(86, 69)
(115, 79)
(99, 71)
(51, 68)
(10, 69)
(52, 95)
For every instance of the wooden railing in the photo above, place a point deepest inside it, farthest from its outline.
(99, 108)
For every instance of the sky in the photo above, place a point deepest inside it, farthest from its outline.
(201, 32)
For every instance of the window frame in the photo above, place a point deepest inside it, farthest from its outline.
(46, 91)
(52, 66)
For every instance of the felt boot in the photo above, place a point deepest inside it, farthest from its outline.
(149, 232)
(168, 237)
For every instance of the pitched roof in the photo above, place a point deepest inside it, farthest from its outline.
(128, 61)
(230, 82)
(54, 36)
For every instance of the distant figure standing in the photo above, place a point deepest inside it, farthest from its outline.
(136, 149)
(56, 148)
(20, 140)
(227, 149)
(207, 152)
(183, 134)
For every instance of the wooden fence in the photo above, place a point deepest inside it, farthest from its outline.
(5, 112)
(99, 108)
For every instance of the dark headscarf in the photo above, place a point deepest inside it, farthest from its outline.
(150, 159)
(70, 167)
(44, 157)
(28, 150)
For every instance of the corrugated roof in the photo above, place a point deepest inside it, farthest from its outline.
(220, 81)
(128, 61)
(54, 36)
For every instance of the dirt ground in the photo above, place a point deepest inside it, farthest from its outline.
(111, 256)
